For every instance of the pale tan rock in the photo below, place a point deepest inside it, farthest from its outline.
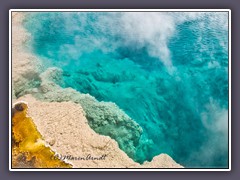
(65, 124)
(25, 66)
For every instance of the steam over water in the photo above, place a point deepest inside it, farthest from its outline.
(167, 70)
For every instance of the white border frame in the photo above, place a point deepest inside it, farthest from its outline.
(119, 10)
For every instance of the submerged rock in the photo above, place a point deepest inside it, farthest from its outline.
(104, 117)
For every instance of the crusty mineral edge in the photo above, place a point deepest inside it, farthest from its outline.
(64, 126)
(21, 60)
(65, 129)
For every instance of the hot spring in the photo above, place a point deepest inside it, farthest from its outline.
(168, 71)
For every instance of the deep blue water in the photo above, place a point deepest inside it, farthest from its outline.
(167, 71)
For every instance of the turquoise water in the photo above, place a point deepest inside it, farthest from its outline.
(167, 71)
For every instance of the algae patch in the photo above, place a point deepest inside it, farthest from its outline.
(28, 146)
